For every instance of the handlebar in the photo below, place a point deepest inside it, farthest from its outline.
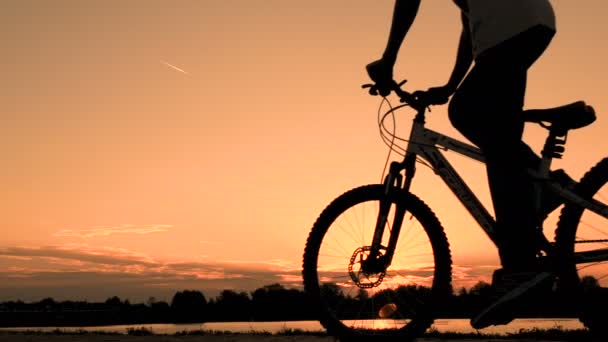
(404, 95)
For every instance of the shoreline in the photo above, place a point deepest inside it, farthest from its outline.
(143, 334)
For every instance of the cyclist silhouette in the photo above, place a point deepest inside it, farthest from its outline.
(500, 39)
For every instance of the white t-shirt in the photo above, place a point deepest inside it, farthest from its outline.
(491, 22)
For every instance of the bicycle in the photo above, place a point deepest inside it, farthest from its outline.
(377, 262)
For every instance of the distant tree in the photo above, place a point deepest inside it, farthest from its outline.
(189, 306)
(161, 311)
(232, 306)
(462, 292)
(331, 293)
(481, 289)
(47, 304)
(275, 302)
(113, 302)
(150, 302)
(15, 305)
(160, 305)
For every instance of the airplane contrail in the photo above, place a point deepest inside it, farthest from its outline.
(174, 67)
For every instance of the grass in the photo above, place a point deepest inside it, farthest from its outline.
(553, 334)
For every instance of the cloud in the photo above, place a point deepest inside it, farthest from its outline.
(121, 229)
(468, 275)
(95, 273)
(105, 259)
(82, 253)
(32, 272)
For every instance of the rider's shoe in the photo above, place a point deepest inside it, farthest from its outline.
(511, 288)
(551, 201)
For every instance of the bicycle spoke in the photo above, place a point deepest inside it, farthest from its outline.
(372, 298)
(591, 236)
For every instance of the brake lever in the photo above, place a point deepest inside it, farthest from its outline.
(372, 89)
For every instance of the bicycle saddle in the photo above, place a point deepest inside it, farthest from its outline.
(563, 118)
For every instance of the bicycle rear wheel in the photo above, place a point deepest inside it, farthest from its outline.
(397, 303)
(583, 233)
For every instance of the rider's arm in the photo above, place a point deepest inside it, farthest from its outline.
(464, 58)
(404, 13)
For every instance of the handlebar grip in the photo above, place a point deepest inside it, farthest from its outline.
(403, 95)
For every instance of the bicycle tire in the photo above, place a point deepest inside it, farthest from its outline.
(575, 226)
(353, 318)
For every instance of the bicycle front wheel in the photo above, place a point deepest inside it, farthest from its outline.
(400, 301)
(582, 241)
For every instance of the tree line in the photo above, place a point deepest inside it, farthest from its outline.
(269, 303)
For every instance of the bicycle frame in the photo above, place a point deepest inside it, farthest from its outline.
(427, 144)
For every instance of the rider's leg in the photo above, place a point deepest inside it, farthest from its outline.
(487, 108)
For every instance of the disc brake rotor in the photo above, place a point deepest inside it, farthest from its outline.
(364, 280)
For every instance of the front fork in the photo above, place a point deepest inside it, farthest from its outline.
(377, 261)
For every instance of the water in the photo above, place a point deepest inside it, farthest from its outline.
(441, 325)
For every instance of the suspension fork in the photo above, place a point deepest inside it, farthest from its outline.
(393, 182)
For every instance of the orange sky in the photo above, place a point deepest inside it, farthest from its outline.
(152, 146)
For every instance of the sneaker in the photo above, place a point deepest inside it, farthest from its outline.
(508, 288)
(550, 200)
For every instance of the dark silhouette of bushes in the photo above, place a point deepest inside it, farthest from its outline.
(231, 306)
(189, 306)
(276, 303)
(272, 302)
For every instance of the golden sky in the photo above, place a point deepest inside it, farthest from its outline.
(151, 146)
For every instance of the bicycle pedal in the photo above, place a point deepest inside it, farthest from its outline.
(499, 313)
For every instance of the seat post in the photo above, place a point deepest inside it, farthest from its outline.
(542, 173)
(554, 148)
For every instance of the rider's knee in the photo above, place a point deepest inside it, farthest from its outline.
(457, 109)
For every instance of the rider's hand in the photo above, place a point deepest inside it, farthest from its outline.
(381, 72)
(434, 96)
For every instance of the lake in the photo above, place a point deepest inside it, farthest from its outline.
(442, 325)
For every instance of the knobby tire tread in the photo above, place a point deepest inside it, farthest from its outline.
(441, 251)
(565, 235)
